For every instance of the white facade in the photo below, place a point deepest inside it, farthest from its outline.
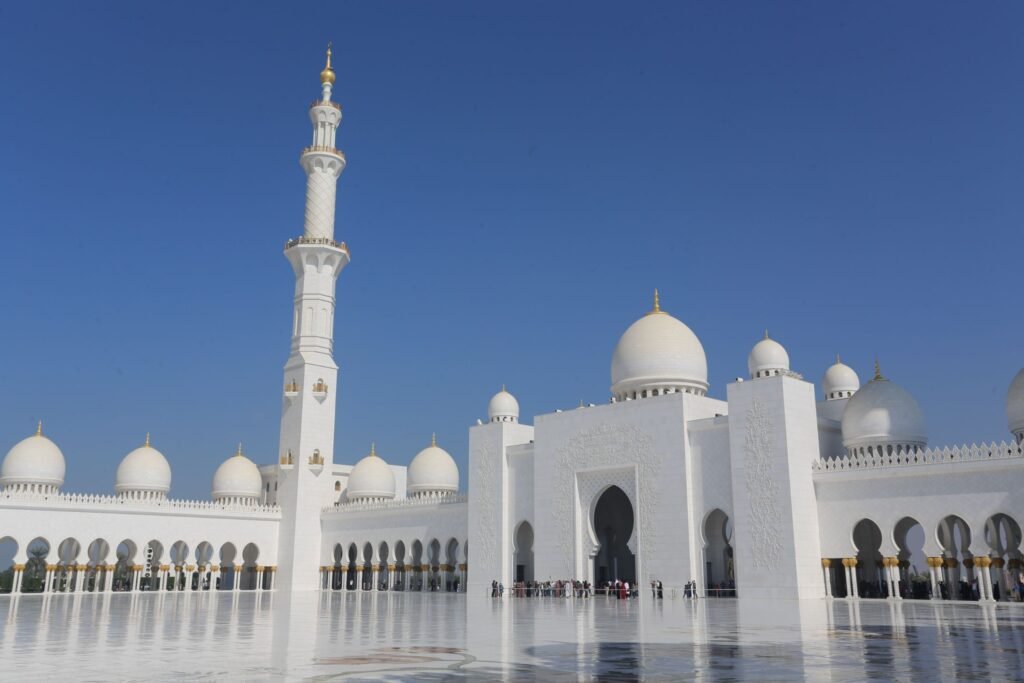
(780, 490)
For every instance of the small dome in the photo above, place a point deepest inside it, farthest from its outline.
(658, 352)
(371, 478)
(237, 477)
(144, 470)
(1015, 405)
(768, 357)
(503, 407)
(433, 470)
(840, 381)
(33, 461)
(882, 413)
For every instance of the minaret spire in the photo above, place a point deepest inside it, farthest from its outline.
(327, 77)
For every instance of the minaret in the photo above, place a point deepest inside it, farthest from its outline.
(310, 375)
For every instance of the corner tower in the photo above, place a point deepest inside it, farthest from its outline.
(310, 375)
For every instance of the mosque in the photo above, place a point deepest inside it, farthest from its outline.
(780, 489)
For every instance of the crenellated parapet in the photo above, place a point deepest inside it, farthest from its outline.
(108, 502)
(914, 457)
(396, 504)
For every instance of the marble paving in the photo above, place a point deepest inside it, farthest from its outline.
(442, 637)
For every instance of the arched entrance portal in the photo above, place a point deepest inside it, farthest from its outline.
(719, 577)
(613, 525)
(523, 552)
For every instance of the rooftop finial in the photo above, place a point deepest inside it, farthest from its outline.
(503, 387)
(373, 448)
(878, 369)
(238, 453)
(838, 359)
(657, 302)
(327, 75)
(39, 428)
(433, 439)
(147, 440)
(766, 333)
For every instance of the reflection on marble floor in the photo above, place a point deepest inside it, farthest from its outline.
(394, 636)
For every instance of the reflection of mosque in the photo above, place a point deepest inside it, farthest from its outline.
(775, 487)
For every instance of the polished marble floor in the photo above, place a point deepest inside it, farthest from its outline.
(435, 637)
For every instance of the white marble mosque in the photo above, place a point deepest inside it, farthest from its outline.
(769, 487)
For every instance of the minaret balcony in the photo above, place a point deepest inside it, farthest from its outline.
(328, 103)
(324, 241)
(323, 149)
(291, 390)
(287, 461)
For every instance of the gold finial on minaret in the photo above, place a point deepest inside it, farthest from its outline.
(878, 370)
(238, 453)
(327, 75)
(146, 445)
(433, 439)
(39, 428)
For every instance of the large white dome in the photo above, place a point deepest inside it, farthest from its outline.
(433, 470)
(35, 461)
(503, 407)
(882, 413)
(144, 470)
(1015, 405)
(768, 357)
(658, 352)
(371, 478)
(840, 381)
(237, 477)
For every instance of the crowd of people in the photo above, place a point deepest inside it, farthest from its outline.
(574, 588)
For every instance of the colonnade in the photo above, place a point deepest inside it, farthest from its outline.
(941, 570)
(398, 577)
(75, 578)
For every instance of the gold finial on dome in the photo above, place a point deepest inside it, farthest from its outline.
(39, 428)
(238, 453)
(766, 333)
(838, 359)
(327, 75)
(433, 439)
(657, 304)
(503, 387)
(373, 448)
(878, 370)
(146, 445)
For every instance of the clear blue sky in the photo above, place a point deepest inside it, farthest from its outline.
(520, 177)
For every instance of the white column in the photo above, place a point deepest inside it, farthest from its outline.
(273, 574)
(259, 578)
(376, 577)
(826, 570)
(853, 576)
(236, 585)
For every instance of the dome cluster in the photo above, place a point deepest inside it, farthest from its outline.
(432, 473)
(36, 465)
